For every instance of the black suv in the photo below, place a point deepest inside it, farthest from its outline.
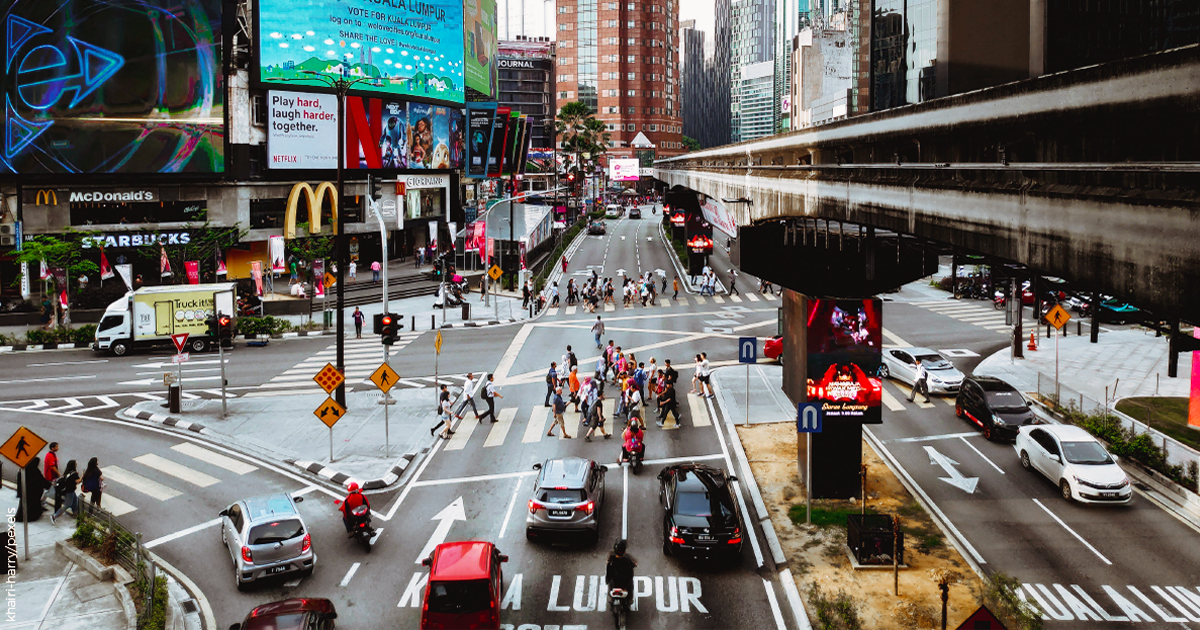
(701, 519)
(997, 407)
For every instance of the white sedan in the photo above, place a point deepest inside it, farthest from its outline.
(1075, 461)
(901, 364)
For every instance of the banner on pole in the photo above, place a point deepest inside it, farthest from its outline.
(318, 271)
(278, 265)
(453, 225)
(221, 270)
(106, 272)
(256, 274)
(164, 265)
(433, 235)
(126, 273)
(192, 267)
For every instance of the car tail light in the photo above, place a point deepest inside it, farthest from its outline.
(675, 536)
(736, 537)
(246, 555)
(307, 543)
(533, 506)
(589, 507)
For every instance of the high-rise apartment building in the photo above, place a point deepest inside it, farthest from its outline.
(756, 97)
(753, 42)
(790, 17)
(622, 60)
(526, 84)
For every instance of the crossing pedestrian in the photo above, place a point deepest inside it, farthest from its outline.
(920, 383)
(733, 274)
(490, 395)
(706, 381)
(598, 331)
(675, 285)
(359, 318)
(696, 377)
(468, 397)
(669, 372)
(554, 296)
(596, 413)
(65, 487)
(444, 414)
(573, 384)
(667, 403)
(443, 394)
(51, 474)
(560, 407)
(93, 481)
(551, 382)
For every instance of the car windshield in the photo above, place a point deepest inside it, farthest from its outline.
(700, 504)
(562, 496)
(458, 597)
(293, 621)
(935, 362)
(1085, 453)
(1006, 402)
(275, 531)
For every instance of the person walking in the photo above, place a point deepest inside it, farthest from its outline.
(551, 382)
(573, 385)
(596, 412)
(444, 414)
(706, 381)
(93, 481)
(564, 263)
(353, 271)
(920, 383)
(526, 295)
(65, 487)
(31, 487)
(670, 373)
(675, 285)
(554, 296)
(375, 268)
(51, 474)
(490, 395)
(560, 407)
(696, 373)
(733, 274)
(598, 331)
(667, 403)
(443, 393)
(468, 397)
(359, 318)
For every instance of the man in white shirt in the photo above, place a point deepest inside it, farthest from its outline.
(490, 395)
(921, 382)
(705, 376)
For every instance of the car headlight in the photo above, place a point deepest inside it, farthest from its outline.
(935, 379)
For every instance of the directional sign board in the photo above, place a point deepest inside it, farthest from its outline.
(180, 340)
(809, 418)
(437, 342)
(23, 446)
(384, 377)
(182, 357)
(1058, 316)
(329, 378)
(329, 412)
(495, 272)
(747, 350)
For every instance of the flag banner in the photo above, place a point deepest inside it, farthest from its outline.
(163, 263)
(433, 234)
(106, 271)
(256, 274)
(278, 265)
(453, 225)
(45, 271)
(62, 298)
(60, 277)
(126, 273)
(193, 271)
(221, 270)
(318, 272)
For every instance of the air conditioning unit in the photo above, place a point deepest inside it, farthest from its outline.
(8, 229)
(9, 241)
(258, 110)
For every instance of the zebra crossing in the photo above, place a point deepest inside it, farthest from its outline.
(981, 314)
(88, 405)
(666, 302)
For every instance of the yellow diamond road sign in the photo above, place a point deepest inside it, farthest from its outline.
(23, 446)
(437, 342)
(494, 273)
(330, 412)
(329, 378)
(1058, 316)
(384, 377)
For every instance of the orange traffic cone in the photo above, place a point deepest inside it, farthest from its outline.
(1032, 345)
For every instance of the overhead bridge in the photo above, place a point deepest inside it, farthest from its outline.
(1090, 175)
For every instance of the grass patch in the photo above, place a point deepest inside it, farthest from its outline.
(834, 611)
(1167, 414)
(824, 515)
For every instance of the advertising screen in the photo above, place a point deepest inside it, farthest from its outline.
(302, 130)
(479, 45)
(845, 345)
(499, 138)
(123, 86)
(479, 137)
(403, 48)
(624, 169)
(403, 135)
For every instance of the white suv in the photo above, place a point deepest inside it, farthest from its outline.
(1075, 461)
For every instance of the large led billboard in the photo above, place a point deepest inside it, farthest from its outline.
(479, 45)
(403, 135)
(120, 86)
(845, 346)
(624, 169)
(401, 47)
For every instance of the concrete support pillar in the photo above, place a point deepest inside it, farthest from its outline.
(1095, 334)
(1173, 350)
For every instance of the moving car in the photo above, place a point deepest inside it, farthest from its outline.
(290, 614)
(773, 349)
(997, 407)
(596, 227)
(465, 586)
(635, 212)
(266, 537)
(1075, 461)
(567, 496)
(701, 519)
(901, 364)
(613, 211)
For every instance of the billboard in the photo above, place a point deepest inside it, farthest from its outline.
(122, 86)
(302, 130)
(845, 345)
(717, 214)
(479, 137)
(409, 49)
(624, 169)
(479, 45)
(499, 138)
(403, 135)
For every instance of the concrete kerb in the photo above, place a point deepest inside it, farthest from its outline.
(46, 347)
(557, 274)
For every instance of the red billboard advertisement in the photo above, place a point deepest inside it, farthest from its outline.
(845, 345)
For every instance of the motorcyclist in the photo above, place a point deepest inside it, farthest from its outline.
(352, 501)
(619, 571)
(634, 440)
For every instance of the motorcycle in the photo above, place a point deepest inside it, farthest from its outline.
(635, 460)
(619, 600)
(447, 298)
(360, 525)
(999, 300)
(464, 287)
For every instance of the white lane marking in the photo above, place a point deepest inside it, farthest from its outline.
(793, 596)
(304, 491)
(980, 453)
(775, 611)
(625, 503)
(500, 374)
(177, 535)
(511, 502)
(115, 506)
(177, 470)
(409, 486)
(1073, 532)
(66, 363)
(892, 337)
(890, 401)
(139, 483)
(459, 440)
(469, 479)
(537, 422)
(928, 438)
(500, 427)
(216, 459)
(758, 557)
(50, 378)
(106, 401)
(349, 574)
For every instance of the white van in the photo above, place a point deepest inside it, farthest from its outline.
(613, 211)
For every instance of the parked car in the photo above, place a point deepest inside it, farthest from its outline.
(701, 519)
(901, 364)
(1075, 461)
(613, 211)
(773, 349)
(568, 494)
(635, 212)
(465, 586)
(596, 227)
(265, 537)
(1117, 312)
(290, 614)
(997, 407)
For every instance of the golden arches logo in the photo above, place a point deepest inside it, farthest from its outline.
(314, 200)
(46, 198)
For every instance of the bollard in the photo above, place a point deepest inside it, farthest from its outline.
(466, 311)
(412, 324)
(174, 394)
(432, 322)
(1079, 328)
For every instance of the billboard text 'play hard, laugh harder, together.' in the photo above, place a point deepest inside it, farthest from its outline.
(314, 201)
(845, 346)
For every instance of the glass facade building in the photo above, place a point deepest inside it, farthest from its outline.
(586, 53)
(756, 95)
(753, 42)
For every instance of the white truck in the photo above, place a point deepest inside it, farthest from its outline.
(149, 316)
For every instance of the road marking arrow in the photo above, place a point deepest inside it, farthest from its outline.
(451, 513)
(956, 479)
(620, 272)
(190, 363)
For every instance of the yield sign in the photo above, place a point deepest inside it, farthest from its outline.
(180, 340)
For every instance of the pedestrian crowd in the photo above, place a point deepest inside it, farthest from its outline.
(47, 479)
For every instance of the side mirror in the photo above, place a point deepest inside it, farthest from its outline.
(537, 466)
(223, 513)
(427, 561)
(297, 499)
(330, 616)
(1056, 458)
(732, 478)
(503, 558)
(604, 469)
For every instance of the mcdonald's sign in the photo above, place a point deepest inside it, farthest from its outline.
(314, 200)
(46, 198)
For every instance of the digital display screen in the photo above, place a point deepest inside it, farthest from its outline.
(845, 350)
(397, 47)
(479, 45)
(120, 86)
(403, 135)
(624, 170)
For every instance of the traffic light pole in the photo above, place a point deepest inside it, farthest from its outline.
(387, 399)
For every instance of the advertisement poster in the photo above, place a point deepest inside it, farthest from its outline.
(121, 86)
(458, 137)
(624, 169)
(302, 130)
(845, 345)
(256, 275)
(479, 45)
(523, 160)
(479, 137)
(420, 141)
(718, 215)
(318, 272)
(278, 265)
(405, 48)
(192, 267)
(512, 129)
(499, 137)
(400, 134)
(393, 138)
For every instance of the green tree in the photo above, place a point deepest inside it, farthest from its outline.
(66, 252)
(691, 144)
(204, 245)
(571, 125)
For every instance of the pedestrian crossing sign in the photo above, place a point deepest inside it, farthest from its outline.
(437, 342)
(384, 378)
(329, 378)
(1058, 316)
(23, 446)
(329, 412)
(495, 272)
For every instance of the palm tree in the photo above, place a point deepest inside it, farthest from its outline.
(571, 124)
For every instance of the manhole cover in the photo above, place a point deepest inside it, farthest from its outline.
(189, 606)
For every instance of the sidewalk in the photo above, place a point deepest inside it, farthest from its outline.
(768, 403)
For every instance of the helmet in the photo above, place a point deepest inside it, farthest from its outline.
(353, 487)
(619, 547)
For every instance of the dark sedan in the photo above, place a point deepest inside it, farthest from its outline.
(635, 213)
(291, 614)
(596, 227)
(997, 407)
(701, 519)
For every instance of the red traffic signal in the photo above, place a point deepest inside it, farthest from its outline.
(224, 321)
(386, 321)
(570, 177)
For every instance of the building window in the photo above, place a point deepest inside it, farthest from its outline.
(564, 26)
(631, 110)
(631, 76)
(630, 58)
(612, 24)
(631, 128)
(631, 6)
(563, 95)
(631, 93)
(631, 42)
(613, 41)
(630, 24)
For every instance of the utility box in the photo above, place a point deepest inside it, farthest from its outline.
(870, 538)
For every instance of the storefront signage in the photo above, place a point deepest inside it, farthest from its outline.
(314, 200)
(426, 181)
(524, 64)
(138, 239)
(52, 197)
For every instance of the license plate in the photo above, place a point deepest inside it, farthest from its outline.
(560, 512)
(1109, 494)
(705, 538)
(279, 569)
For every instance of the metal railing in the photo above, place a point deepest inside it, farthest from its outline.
(118, 545)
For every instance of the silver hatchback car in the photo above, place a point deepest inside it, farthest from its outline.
(568, 494)
(266, 537)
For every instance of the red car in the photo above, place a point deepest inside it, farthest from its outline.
(291, 614)
(773, 349)
(465, 587)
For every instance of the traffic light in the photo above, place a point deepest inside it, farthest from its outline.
(388, 322)
(571, 177)
(374, 187)
(225, 330)
(211, 323)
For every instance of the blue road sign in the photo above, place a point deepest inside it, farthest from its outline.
(747, 349)
(809, 418)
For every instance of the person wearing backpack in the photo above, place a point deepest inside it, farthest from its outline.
(93, 481)
(65, 486)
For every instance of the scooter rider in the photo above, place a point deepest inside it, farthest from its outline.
(353, 500)
(634, 440)
(619, 571)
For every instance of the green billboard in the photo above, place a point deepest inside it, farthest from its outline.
(479, 45)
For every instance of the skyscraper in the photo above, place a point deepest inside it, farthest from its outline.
(753, 42)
